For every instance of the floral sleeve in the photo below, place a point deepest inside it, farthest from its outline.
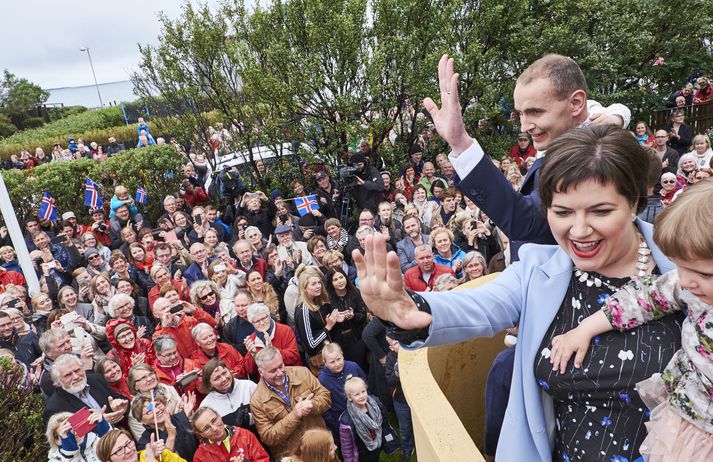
(643, 300)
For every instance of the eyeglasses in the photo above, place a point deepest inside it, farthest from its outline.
(127, 336)
(169, 354)
(206, 296)
(93, 257)
(215, 422)
(261, 320)
(143, 379)
(125, 449)
(668, 182)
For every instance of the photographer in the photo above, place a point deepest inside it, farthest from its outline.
(251, 206)
(369, 185)
(100, 226)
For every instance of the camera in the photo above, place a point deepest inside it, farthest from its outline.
(38, 262)
(347, 174)
(102, 227)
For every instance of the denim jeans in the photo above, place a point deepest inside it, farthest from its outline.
(403, 414)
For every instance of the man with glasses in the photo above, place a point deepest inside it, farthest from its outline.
(669, 156)
(198, 270)
(163, 254)
(269, 332)
(172, 366)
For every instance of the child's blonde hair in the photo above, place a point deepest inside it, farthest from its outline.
(352, 382)
(683, 229)
(120, 190)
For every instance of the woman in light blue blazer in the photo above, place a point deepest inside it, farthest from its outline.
(592, 184)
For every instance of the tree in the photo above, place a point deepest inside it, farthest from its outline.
(18, 97)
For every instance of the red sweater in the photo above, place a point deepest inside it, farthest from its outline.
(227, 354)
(182, 332)
(284, 341)
(181, 287)
(413, 278)
(10, 277)
(242, 443)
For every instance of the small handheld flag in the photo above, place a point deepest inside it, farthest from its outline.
(306, 204)
(92, 198)
(140, 195)
(48, 209)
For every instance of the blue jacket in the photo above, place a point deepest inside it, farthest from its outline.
(456, 253)
(335, 384)
(12, 266)
(116, 203)
(528, 293)
(406, 250)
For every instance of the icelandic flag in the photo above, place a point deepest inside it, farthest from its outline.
(140, 195)
(306, 204)
(92, 199)
(48, 209)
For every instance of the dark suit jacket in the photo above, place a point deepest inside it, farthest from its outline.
(516, 213)
(62, 401)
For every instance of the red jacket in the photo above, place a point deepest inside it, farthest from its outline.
(141, 345)
(182, 332)
(242, 443)
(187, 365)
(11, 277)
(413, 278)
(284, 340)
(181, 287)
(197, 196)
(519, 159)
(227, 354)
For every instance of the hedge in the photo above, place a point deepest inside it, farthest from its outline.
(156, 168)
(73, 125)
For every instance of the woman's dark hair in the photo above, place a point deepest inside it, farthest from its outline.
(329, 276)
(601, 153)
(208, 370)
(134, 286)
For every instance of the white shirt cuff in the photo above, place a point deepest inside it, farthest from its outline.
(466, 161)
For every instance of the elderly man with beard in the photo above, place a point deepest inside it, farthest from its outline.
(406, 247)
(78, 389)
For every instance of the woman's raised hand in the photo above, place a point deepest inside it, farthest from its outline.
(449, 119)
(382, 287)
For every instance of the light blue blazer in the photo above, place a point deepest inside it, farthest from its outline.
(528, 293)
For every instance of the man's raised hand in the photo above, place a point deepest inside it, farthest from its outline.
(382, 287)
(449, 119)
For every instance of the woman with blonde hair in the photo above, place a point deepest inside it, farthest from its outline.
(64, 445)
(315, 318)
(316, 445)
(701, 151)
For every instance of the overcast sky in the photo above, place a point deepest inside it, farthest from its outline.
(40, 39)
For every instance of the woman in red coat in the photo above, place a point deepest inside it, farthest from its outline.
(129, 347)
(220, 443)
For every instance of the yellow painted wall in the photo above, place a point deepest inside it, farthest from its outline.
(445, 387)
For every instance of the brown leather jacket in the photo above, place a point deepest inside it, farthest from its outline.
(277, 424)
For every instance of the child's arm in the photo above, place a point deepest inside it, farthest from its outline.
(577, 341)
(638, 302)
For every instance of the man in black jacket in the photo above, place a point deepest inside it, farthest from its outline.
(77, 389)
(369, 188)
(26, 348)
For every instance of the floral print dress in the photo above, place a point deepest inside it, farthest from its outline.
(598, 415)
(688, 377)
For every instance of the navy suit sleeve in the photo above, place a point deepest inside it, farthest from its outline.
(517, 215)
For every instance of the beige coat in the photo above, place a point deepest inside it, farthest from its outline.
(277, 424)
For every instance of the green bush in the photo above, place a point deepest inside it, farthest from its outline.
(58, 113)
(21, 426)
(147, 167)
(72, 125)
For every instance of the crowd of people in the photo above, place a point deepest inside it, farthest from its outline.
(254, 331)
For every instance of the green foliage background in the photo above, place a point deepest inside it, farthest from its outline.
(147, 167)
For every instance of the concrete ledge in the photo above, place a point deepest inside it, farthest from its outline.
(445, 387)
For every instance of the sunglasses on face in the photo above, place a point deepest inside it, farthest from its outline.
(668, 182)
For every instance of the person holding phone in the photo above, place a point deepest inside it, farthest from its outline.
(66, 446)
(172, 368)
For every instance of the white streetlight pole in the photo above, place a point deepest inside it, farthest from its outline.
(101, 103)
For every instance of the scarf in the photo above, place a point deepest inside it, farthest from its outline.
(367, 428)
(338, 244)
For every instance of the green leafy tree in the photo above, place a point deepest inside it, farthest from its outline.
(18, 97)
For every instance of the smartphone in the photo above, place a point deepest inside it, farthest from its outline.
(189, 378)
(176, 308)
(199, 219)
(219, 268)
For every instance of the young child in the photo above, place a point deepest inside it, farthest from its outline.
(122, 197)
(364, 428)
(680, 399)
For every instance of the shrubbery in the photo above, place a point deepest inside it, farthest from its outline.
(21, 425)
(156, 168)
